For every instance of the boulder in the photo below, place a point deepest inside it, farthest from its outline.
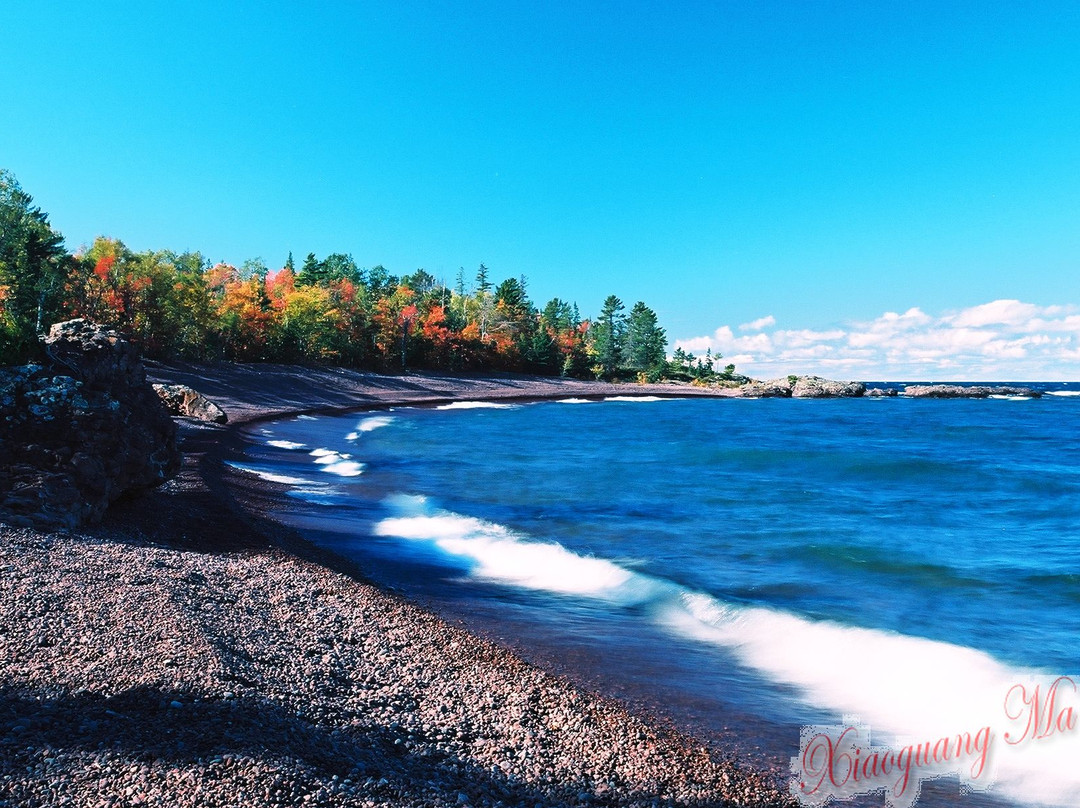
(81, 430)
(817, 387)
(179, 399)
(881, 392)
(966, 391)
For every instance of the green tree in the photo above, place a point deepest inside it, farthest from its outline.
(482, 282)
(340, 267)
(380, 282)
(311, 273)
(511, 293)
(33, 268)
(422, 282)
(253, 267)
(646, 342)
(609, 336)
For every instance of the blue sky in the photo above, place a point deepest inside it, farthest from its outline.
(823, 164)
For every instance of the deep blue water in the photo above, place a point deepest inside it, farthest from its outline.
(755, 565)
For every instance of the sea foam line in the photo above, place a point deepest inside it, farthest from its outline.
(476, 405)
(271, 476)
(903, 686)
(285, 444)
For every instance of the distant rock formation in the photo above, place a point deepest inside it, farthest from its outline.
(179, 399)
(966, 391)
(817, 387)
(80, 431)
(802, 387)
(881, 392)
(774, 388)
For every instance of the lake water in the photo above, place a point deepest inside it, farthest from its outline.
(749, 567)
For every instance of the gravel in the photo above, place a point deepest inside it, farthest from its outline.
(192, 652)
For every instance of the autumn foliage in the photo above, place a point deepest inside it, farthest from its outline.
(179, 305)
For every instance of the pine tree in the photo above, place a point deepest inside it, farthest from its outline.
(609, 335)
(311, 272)
(482, 282)
(33, 265)
(646, 341)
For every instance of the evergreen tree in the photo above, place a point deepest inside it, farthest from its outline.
(482, 282)
(290, 264)
(511, 293)
(559, 315)
(339, 267)
(609, 336)
(33, 269)
(311, 272)
(645, 340)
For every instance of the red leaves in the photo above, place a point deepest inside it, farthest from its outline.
(103, 267)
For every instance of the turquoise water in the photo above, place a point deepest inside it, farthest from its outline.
(755, 565)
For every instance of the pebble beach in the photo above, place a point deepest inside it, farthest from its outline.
(192, 651)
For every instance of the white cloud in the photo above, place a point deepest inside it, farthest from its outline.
(999, 340)
(759, 323)
(997, 312)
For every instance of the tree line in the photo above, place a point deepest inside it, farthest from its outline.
(329, 310)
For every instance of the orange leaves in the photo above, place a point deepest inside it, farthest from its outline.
(471, 332)
(279, 287)
(103, 267)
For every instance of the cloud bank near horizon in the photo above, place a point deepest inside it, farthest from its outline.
(1003, 340)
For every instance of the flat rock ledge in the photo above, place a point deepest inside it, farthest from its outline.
(966, 391)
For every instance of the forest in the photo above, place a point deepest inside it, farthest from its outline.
(328, 310)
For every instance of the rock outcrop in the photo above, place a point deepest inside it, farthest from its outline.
(881, 392)
(966, 391)
(817, 387)
(802, 387)
(774, 388)
(179, 399)
(81, 430)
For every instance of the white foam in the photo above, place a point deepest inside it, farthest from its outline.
(637, 399)
(352, 436)
(1010, 398)
(271, 476)
(374, 422)
(1067, 393)
(285, 444)
(306, 418)
(575, 401)
(344, 468)
(495, 553)
(475, 405)
(909, 689)
(332, 457)
(322, 452)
